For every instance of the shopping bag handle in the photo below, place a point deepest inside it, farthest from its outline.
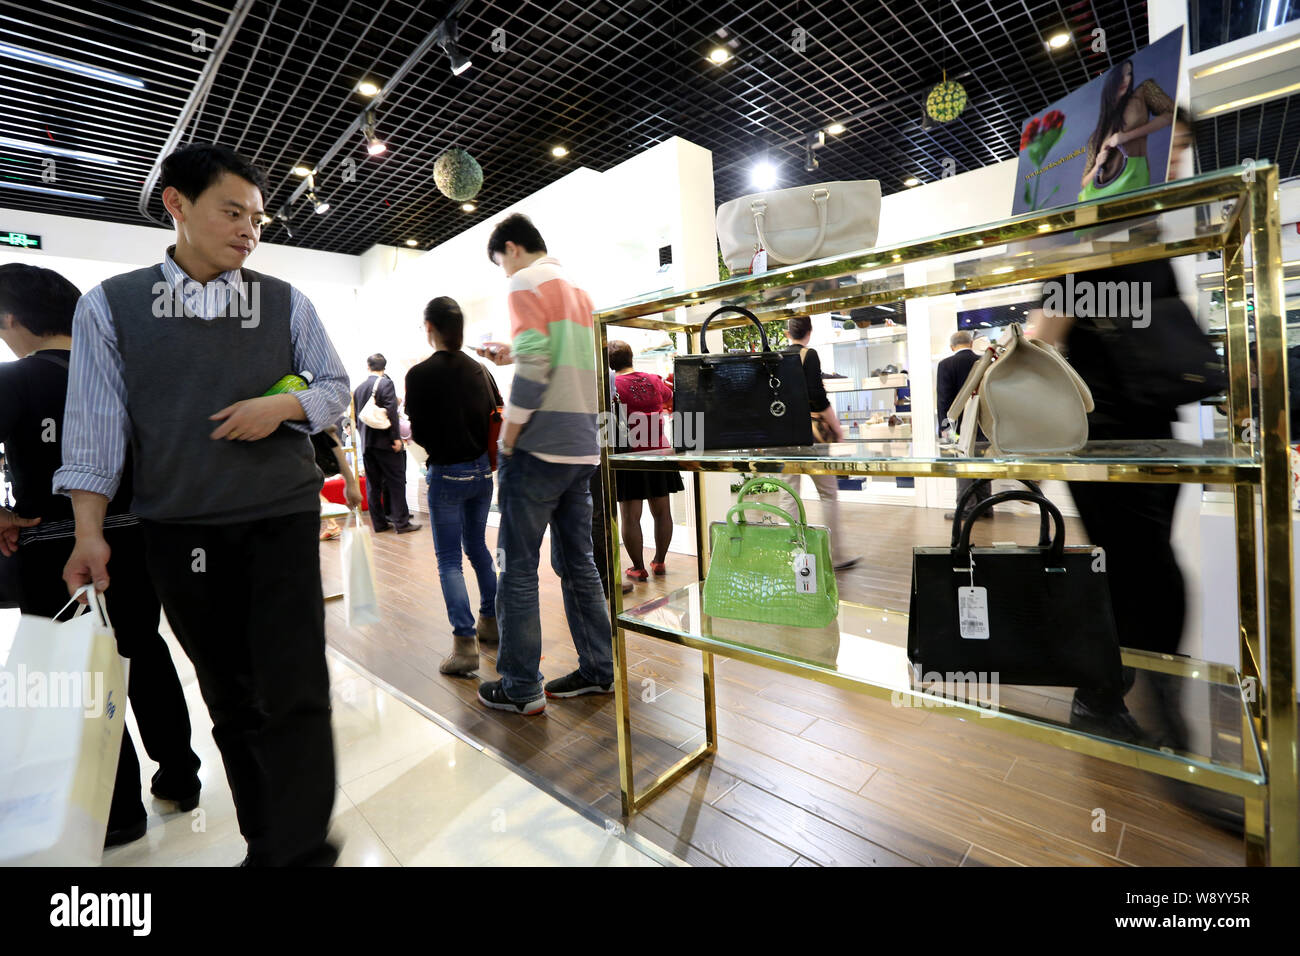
(92, 595)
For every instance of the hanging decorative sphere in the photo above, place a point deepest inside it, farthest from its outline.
(458, 175)
(946, 101)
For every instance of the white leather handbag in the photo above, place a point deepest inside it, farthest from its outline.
(799, 224)
(1025, 397)
(374, 415)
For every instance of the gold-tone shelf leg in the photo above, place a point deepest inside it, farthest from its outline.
(1275, 492)
(623, 720)
(710, 705)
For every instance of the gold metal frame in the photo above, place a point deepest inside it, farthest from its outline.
(1255, 462)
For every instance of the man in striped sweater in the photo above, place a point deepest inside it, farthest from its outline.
(549, 449)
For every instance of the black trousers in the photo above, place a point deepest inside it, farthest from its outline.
(154, 689)
(386, 487)
(1133, 523)
(245, 602)
(983, 489)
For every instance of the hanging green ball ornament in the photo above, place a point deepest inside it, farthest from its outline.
(458, 175)
(946, 101)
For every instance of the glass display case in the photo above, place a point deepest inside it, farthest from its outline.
(1217, 213)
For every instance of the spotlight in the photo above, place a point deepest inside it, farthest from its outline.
(374, 145)
(911, 181)
(719, 55)
(763, 175)
(366, 88)
(559, 152)
(301, 171)
(317, 203)
(447, 40)
(411, 242)
(835, 129)
(1057, 40)
(468, 207)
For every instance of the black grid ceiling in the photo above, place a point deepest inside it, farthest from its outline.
(606, 80)
(1268, 130)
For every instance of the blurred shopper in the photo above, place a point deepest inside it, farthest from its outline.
(383, 452)
(950, 376)
(36, 309)
(175, 359)
(549, 448)
(644, 398)
(826, 428)
(449, 398)
(332, 460)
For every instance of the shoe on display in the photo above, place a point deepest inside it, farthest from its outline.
(1117, 725)
(408, 528)
(463, 659)
(575, 685)
(120, 835)
(184, 794)
(491, 694)
(486, 630)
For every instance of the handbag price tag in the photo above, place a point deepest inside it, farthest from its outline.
(805, 573)
(760, 262)
(973, 613)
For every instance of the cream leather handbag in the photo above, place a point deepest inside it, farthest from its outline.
(799, 224)
(1025, 397)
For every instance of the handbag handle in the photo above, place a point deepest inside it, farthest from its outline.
(762, 333)
(760, 479)
(1044, 533)
(735, 511)
(758, 207)
(1055, 551)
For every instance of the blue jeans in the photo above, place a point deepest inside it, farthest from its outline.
(534, 494)
(459, 498)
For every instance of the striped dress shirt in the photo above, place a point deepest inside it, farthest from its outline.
(96, 429)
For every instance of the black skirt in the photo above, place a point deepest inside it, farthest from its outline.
(642, 485)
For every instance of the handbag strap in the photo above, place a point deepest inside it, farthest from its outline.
(1055, 551)
(972, 383)
(760, 479)
(1044, 532)
(56, 359)
(704, 329)
(758, 208)
(736, 512)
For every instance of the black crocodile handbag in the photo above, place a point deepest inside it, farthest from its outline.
(745, 400)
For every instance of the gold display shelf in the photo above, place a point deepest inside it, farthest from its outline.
(864, 650)
(1222, 212)
(1167, 461)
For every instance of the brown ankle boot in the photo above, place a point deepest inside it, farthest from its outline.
(463, 659)
(487, 630)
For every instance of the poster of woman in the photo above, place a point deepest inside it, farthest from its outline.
(1107, 137)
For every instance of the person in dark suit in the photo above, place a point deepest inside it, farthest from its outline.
(383, 453)
(951, 376)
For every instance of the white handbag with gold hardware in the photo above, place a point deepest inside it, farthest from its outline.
(799, 224)
(1025, 397)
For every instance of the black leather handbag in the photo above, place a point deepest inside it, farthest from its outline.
(1044, 616)
(746, 400)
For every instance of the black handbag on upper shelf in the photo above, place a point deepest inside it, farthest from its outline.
(1048, 612)
(745, 400)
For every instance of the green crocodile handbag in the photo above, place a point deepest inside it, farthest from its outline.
(754, 567)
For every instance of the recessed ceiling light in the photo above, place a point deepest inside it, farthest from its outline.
(411, 242)
(835, 129)
(366, 88)
(1247, 100)
(38, 147)
(468, 207)
(94, 72)
(559, 152)
(301, 171)
(719, 55)
(50, 191)
(763, 175)
(911, 181)
(1057, 40)
(1248, 58)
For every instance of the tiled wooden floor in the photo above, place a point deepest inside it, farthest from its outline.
(806, 774)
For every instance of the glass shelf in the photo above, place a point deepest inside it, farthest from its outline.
(865, 650)
(1216, 462)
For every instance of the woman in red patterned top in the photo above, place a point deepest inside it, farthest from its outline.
(646, 397)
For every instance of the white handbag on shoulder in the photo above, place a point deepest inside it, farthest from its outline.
(374, 415)
(1025, 397)
(799, 224)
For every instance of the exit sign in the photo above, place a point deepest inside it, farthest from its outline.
(20, 239)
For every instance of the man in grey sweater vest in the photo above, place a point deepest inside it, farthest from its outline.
(175, 359)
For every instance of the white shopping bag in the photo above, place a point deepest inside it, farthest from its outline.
(62, 710)
(357, 552)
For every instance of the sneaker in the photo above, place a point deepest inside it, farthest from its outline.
(491, 694)
(575, 685)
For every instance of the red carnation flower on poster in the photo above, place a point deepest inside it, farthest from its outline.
(1053, 119)
(1039, 137)
(1031, 131)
